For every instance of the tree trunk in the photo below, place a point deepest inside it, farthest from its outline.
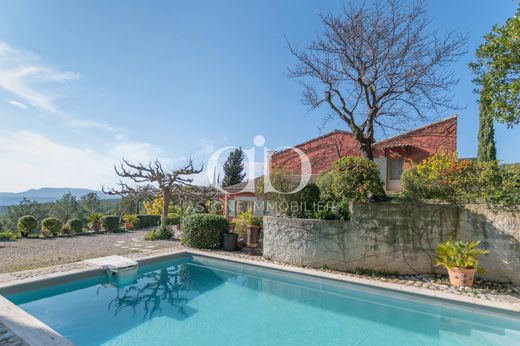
(166, 203)
(365, 146)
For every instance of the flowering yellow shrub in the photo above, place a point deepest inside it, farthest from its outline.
(443, 177)
(155, 207)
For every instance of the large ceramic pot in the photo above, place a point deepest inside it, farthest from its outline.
(230, 241)
(252, 234)
(129, 226)
(96, 226)
(460, 277)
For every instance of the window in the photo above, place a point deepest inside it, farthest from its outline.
(396, 169)
(243, 206)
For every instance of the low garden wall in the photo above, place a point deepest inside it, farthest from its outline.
(396, 237)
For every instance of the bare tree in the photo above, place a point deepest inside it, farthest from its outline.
(152, 179)
(377, 66)
(197, 196)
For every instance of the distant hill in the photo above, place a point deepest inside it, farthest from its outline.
(46, 194)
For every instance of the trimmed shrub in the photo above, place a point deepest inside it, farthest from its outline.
(174, 219)
(27, 224)
(53, 225)
(161, 233)
(149, 220)
(76, 225)
(110, 223)
(7, 236)
(351, 179)
(204, 231)
(304, 202)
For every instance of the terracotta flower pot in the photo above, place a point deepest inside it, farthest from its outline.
(129, 226)
(252, 235)
(460, 277)
(96, 226)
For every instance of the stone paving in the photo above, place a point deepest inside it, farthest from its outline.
(7, 338)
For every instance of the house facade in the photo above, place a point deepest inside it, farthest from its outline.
(393, 156)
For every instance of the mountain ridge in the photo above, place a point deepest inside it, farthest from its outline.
(47, 194)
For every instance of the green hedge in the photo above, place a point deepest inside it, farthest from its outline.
(204, 231)
(174, 219)
(149, 220)
(110, 223)
(53, 225)
(27, 224)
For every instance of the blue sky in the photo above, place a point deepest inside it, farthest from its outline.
(85, 83)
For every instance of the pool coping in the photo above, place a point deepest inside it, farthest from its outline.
(420, 291)
(29, 329)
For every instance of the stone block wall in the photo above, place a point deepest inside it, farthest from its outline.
(396, 237)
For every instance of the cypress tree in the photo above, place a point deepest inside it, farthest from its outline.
(234, 168)
(486, 131)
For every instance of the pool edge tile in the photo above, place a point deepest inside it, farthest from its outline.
(28, 328)
(420, 291)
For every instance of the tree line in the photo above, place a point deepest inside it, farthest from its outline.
(65, 208)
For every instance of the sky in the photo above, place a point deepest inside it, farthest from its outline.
(85, 83)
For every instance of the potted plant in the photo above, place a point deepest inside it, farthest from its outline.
(253, 226)
(95, 221)
(229, 241)
(130, 221)
(461, 260)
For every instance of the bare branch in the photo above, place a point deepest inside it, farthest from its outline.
(377, 65)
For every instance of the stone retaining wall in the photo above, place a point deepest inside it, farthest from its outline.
(396, 237)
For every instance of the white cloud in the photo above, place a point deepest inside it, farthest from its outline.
(30, 160)
(18, 104)
(25, 75)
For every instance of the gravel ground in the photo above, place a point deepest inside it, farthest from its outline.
(26, 254)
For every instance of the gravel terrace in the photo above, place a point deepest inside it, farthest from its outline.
(26, 254)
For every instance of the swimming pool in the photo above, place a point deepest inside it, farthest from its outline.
(204, 301)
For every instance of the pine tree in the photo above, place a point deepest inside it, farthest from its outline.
(234, 168)
(486, 131)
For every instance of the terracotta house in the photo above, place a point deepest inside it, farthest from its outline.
(392, 155)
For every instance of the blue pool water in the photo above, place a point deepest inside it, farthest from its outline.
(201, 301)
